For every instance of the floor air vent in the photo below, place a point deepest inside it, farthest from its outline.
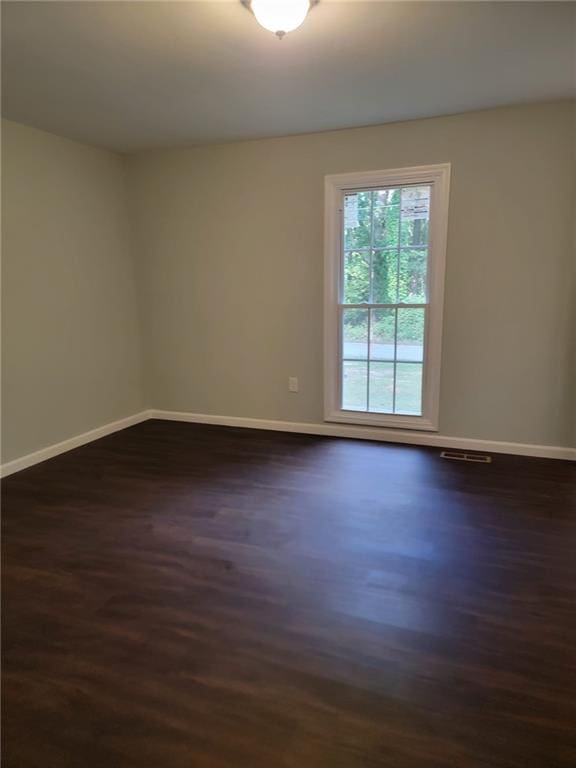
(479, 458)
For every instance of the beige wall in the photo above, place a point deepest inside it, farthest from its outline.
(574, 268)
(228, 241)
(228, 247)
(70, 344)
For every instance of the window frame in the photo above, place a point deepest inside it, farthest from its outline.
(336, 186)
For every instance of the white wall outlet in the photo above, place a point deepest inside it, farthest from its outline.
(292, 384)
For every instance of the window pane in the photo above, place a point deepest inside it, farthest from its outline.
(414, 233)
(415, 212)
(386, 225)
(386, 196)
(357, 226)
(356, 277)
(354, 334)
(384, 276)
(381, 399)
(409, 389)
(410, 335)
(382, 331)
(412, 279)
(354, 385)
(409, 357)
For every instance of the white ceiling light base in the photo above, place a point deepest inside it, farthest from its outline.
(279, 16)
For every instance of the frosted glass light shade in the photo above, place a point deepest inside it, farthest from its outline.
(280, 16)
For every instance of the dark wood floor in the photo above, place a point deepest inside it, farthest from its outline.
(191, 597)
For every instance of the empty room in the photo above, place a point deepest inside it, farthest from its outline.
(288, 446)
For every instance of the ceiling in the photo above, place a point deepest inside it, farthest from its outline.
(137, 75)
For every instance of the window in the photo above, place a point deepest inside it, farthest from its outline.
(385, 252)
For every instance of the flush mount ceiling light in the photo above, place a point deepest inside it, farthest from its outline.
(279, 16)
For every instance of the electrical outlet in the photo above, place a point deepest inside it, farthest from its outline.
(292, 384)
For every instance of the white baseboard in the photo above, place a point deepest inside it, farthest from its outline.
(73, 442)
(306, 428)
(372, 433)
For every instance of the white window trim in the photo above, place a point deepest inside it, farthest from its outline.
(335, 188)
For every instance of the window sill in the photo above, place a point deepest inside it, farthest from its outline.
(388, 421)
